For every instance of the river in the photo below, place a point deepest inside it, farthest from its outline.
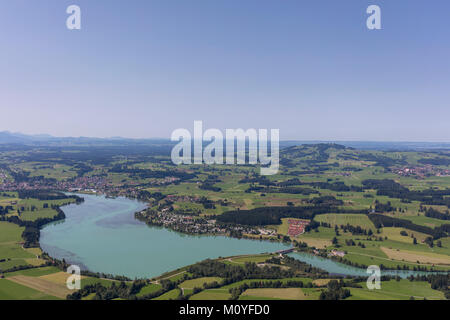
(337, 268)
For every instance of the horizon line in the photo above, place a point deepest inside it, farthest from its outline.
(49, 136)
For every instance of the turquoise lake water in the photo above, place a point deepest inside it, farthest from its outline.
(334, 267)
(102, 235)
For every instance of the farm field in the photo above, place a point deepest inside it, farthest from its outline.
(344, 219)
(199, 282)
(397, 290)
(395, 234)
(151, 288)
(34, 272)
(11, 252)
(251, 258)
(171, 295)
(42, 285)
(274, 294)
(425, 221)
(212, 294)
(425, 257)
(10, 290)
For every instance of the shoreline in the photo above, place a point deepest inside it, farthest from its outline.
(344, 262)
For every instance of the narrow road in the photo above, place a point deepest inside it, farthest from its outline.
(176, 274)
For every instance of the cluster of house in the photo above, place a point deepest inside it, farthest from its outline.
(77, 184)
(421, 171)
(91, 184)
(195, 225)
(296, 227)
(337, 253)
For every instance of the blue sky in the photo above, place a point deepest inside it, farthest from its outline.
(310, 68)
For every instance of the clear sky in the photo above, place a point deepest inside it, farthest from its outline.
(310, 68)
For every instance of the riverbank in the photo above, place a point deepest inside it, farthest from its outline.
(338, 268)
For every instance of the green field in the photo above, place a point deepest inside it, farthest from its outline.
(11, 250)
(425, 221)
(344, 219)
(151, 288)
(171, 295)
(199, 282)
(212, 294)
(274, 294)
(12, 291)
(397, 290)
(35, 272)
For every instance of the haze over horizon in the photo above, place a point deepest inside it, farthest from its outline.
(44, 136)
(311, 69)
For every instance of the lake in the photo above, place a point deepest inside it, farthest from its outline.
(102, 235)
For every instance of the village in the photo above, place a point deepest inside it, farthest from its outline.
(421, 171)
(167, 218)
(91, 184)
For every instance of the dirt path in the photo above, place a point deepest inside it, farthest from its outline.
(157, 281)
(230, 260)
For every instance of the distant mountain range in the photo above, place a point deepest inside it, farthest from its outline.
(7, 137)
